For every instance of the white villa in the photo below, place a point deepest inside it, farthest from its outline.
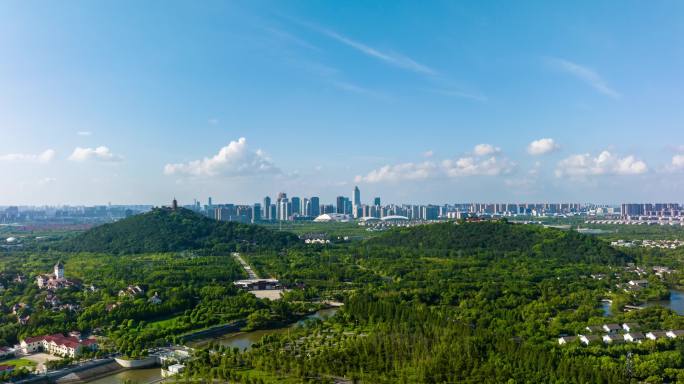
(56, 280)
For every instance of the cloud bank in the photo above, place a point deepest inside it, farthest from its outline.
(235, 159)
(484, 162)
(605, 163)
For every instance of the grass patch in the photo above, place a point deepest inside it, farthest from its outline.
(18, 363)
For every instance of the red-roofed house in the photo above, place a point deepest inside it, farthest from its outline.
(58, 344)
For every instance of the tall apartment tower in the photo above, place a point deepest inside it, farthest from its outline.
(256, 213)
(357, 197)
(267, 208)
(315, 209)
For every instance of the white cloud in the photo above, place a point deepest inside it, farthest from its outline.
(473, 166)
(235, 159)
(84, 133)
(428, 153)
(394, 59)
(485, 149)
(398, 172)
(605, 163)
(678, 161)
(448, 168)
(100, 153)
(542, 146)
(585, 74)
(44, 157)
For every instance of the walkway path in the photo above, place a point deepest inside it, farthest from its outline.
(252, 275)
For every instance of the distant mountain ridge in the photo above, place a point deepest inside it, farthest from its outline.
(501, 238)
(168, 230)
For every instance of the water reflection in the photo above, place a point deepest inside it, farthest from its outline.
(675, 303)
(141, 376)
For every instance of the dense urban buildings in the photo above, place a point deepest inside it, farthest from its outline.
(296, 208)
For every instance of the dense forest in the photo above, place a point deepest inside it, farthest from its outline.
(455, 303)
(439, 303)
(167, 230)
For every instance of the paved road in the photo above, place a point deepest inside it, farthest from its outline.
(246, 266)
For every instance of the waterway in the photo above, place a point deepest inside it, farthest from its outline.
(675, 303)
(244, 340)
(240, 340)
(142, 376)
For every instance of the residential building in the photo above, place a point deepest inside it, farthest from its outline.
(656, 335)
(634, 337)
(57, 344)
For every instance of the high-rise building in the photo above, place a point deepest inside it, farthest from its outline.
(283, 205)
(306, 206)
(256, 213)
(339, 204)
(376, 201)
(315, 209)
(357, 197)
(272, 212)
(267, 208)
(296, 205)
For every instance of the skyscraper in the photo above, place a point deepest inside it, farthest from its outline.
(256, 213)
(315, 209)
(376, 201)
(267, 208)
(357, 197)
(283, 206)
(306, 207)
(296, 205)
(339, 204)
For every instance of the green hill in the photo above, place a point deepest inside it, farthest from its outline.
(166, 230)
(496, 239)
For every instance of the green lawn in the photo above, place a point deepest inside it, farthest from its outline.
(18, 363)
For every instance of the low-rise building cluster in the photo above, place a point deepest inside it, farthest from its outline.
(616, 333)
(662, 244)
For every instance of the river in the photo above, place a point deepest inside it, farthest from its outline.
(240, 340)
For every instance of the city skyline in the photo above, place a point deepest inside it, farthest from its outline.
(486, 102)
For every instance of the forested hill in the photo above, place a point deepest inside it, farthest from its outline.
(498, 239)
(166, 230)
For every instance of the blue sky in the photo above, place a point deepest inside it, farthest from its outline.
(136, 102)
